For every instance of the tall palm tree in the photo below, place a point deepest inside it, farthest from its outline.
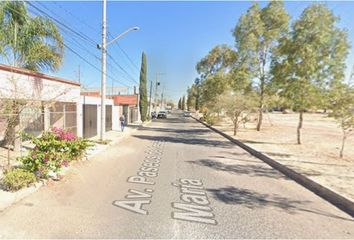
(30, 42)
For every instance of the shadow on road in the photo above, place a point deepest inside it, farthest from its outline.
(171, 120)
(198, 131)
(260, 142)
(251, 170)
(188, 140)
(238, 159)
(254, 200)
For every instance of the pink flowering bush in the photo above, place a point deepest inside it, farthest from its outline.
(63, 135)
(53, 150)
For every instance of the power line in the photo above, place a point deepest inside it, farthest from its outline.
(77, 33)
(82, 58)
(85, 38)
(127, 56)
(74, 16)
(120, 67)
(76, 53)
(124, 52)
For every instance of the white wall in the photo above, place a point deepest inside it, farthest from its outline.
(79, 120)
(31, 87)
(94, 100)
(97, 101)
(20, 86)
(115, 118)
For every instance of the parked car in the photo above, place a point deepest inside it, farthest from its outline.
(162, 114)
(187, 114)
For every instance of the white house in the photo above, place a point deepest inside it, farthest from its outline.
(48, 101)
(90, 110)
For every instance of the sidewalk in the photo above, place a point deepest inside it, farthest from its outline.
(113, 137)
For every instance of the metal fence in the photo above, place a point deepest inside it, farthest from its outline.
(34, 121)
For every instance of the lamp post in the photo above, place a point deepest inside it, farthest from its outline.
(103, 72)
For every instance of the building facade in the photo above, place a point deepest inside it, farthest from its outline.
(40, 101)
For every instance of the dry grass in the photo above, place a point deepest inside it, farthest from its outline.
(317, 157)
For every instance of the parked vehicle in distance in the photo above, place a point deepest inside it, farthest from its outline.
(187, 114)
(162, 114)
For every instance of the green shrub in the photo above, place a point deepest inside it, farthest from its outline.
(53, 150)
(210, 119)
(18, 178)
(77, 148)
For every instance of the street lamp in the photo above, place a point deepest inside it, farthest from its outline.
(119, 36)
(156, 85)
(104, 53)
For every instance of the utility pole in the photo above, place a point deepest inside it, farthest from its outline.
(103, 82)
(156, 84)
(162, 96)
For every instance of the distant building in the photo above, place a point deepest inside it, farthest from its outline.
(128, 104)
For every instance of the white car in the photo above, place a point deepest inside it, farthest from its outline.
(187, 114)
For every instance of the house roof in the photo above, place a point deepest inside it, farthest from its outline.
(125, 99)
(36, 74)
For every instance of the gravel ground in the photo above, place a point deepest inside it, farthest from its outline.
(318, 155)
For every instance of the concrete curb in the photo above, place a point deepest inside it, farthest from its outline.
(10, 198)
(335, 199)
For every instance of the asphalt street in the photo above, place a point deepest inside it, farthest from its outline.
(174, 179)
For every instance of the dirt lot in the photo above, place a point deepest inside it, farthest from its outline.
(317, 157)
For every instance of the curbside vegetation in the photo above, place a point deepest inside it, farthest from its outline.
(335, 199)
(52, 151)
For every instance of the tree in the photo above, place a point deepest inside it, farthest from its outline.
(219, 59)
(143, 103)
(213, 86)
(28, 42)
(256, 34)
(183, 103)
(311, 60)
(197, 84)
(342, 105)
(180, 103)
(191, 97)
(213, 70)
(236, 105)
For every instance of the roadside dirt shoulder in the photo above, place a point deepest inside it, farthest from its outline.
(317, 157)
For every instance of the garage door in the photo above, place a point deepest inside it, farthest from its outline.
(90, 120)
(108, 118)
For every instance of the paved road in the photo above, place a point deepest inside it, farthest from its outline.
(174, 179)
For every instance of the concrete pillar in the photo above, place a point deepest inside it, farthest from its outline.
(115, 118)
(79, 119)
(98, 119)
(46, 118)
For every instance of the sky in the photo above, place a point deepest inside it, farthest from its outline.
(174, 36)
